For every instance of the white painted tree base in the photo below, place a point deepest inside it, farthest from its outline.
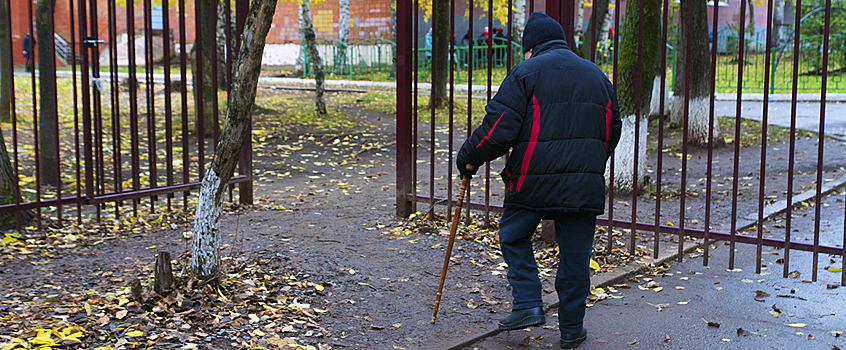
(624, 155)
(205, 257)
(697, 122)
(656, 98)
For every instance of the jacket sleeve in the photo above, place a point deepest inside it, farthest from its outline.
(616, 125)
(501, 126)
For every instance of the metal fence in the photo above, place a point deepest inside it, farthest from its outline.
(692, 196)
(123, 133)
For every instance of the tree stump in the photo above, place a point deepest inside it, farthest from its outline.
(163, 283)
(135, 289)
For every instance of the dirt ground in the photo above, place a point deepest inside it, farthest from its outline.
(320, 260)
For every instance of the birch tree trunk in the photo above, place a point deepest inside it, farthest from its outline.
(298, 66)
(47, 113)
(519, 20)
(627, 173)
(6, 69)
(343, 37)
(205, 250)
(393, 36)
(314, 57)
(696, 67)
(580, 18)
(778, 18)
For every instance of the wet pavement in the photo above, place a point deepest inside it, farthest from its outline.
(675, 311)
(780, 112)
(675, 318)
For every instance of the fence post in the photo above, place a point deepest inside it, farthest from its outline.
(405, 162)
(245, 164)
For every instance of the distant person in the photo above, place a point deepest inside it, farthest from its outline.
(28, 47)
(557, 113)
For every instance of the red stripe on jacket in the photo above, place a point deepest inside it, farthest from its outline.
(532, 141)
(607, 123)
(490, 131)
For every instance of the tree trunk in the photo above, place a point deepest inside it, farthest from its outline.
(220, 37)
(696, 68)
(519, 20)
(47, 114)
(606, 24)
(203, 62)
(577, 33)
(343, 37)
(778, 16)
(314, 57)
(205, 250)
(393, 36)
(589, 46)
(625, 168)
(440, 53)
(655, 102)
(6, 69)
(163, 277)
(298, 66)
(7, 189)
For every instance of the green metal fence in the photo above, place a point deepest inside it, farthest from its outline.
(372, 60)
(781, 64)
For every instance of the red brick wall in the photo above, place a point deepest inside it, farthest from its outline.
(368, 19)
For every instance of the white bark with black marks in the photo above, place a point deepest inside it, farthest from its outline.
(343, 37)
(519, 21)
(205, 250)
(314, 57)
(298, 65)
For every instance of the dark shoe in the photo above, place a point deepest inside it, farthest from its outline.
(573, 340)
(519, 319)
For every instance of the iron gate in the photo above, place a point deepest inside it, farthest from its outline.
(679, 204)
(124, 130)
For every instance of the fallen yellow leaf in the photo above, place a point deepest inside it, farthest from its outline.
(594, 265)
(135, 333)
(796, 325)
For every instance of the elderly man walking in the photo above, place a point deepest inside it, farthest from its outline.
(558, 115)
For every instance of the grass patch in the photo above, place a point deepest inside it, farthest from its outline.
(751, 131)
(385, 102)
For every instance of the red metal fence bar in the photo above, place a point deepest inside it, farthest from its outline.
(656, 235)
(101, 145)
(821, 142)
(688, 220)
(405, 65)
(764, 125)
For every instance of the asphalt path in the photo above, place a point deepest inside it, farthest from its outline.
(810, 314)
(780, 112)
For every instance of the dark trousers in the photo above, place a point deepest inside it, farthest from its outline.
(575, 242)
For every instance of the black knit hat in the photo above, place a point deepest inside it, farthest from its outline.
(540, 28)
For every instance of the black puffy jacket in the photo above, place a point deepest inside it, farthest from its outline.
(559, 115)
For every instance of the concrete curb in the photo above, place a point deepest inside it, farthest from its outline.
(666, 254)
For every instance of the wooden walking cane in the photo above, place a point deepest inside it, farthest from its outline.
(464, 182)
